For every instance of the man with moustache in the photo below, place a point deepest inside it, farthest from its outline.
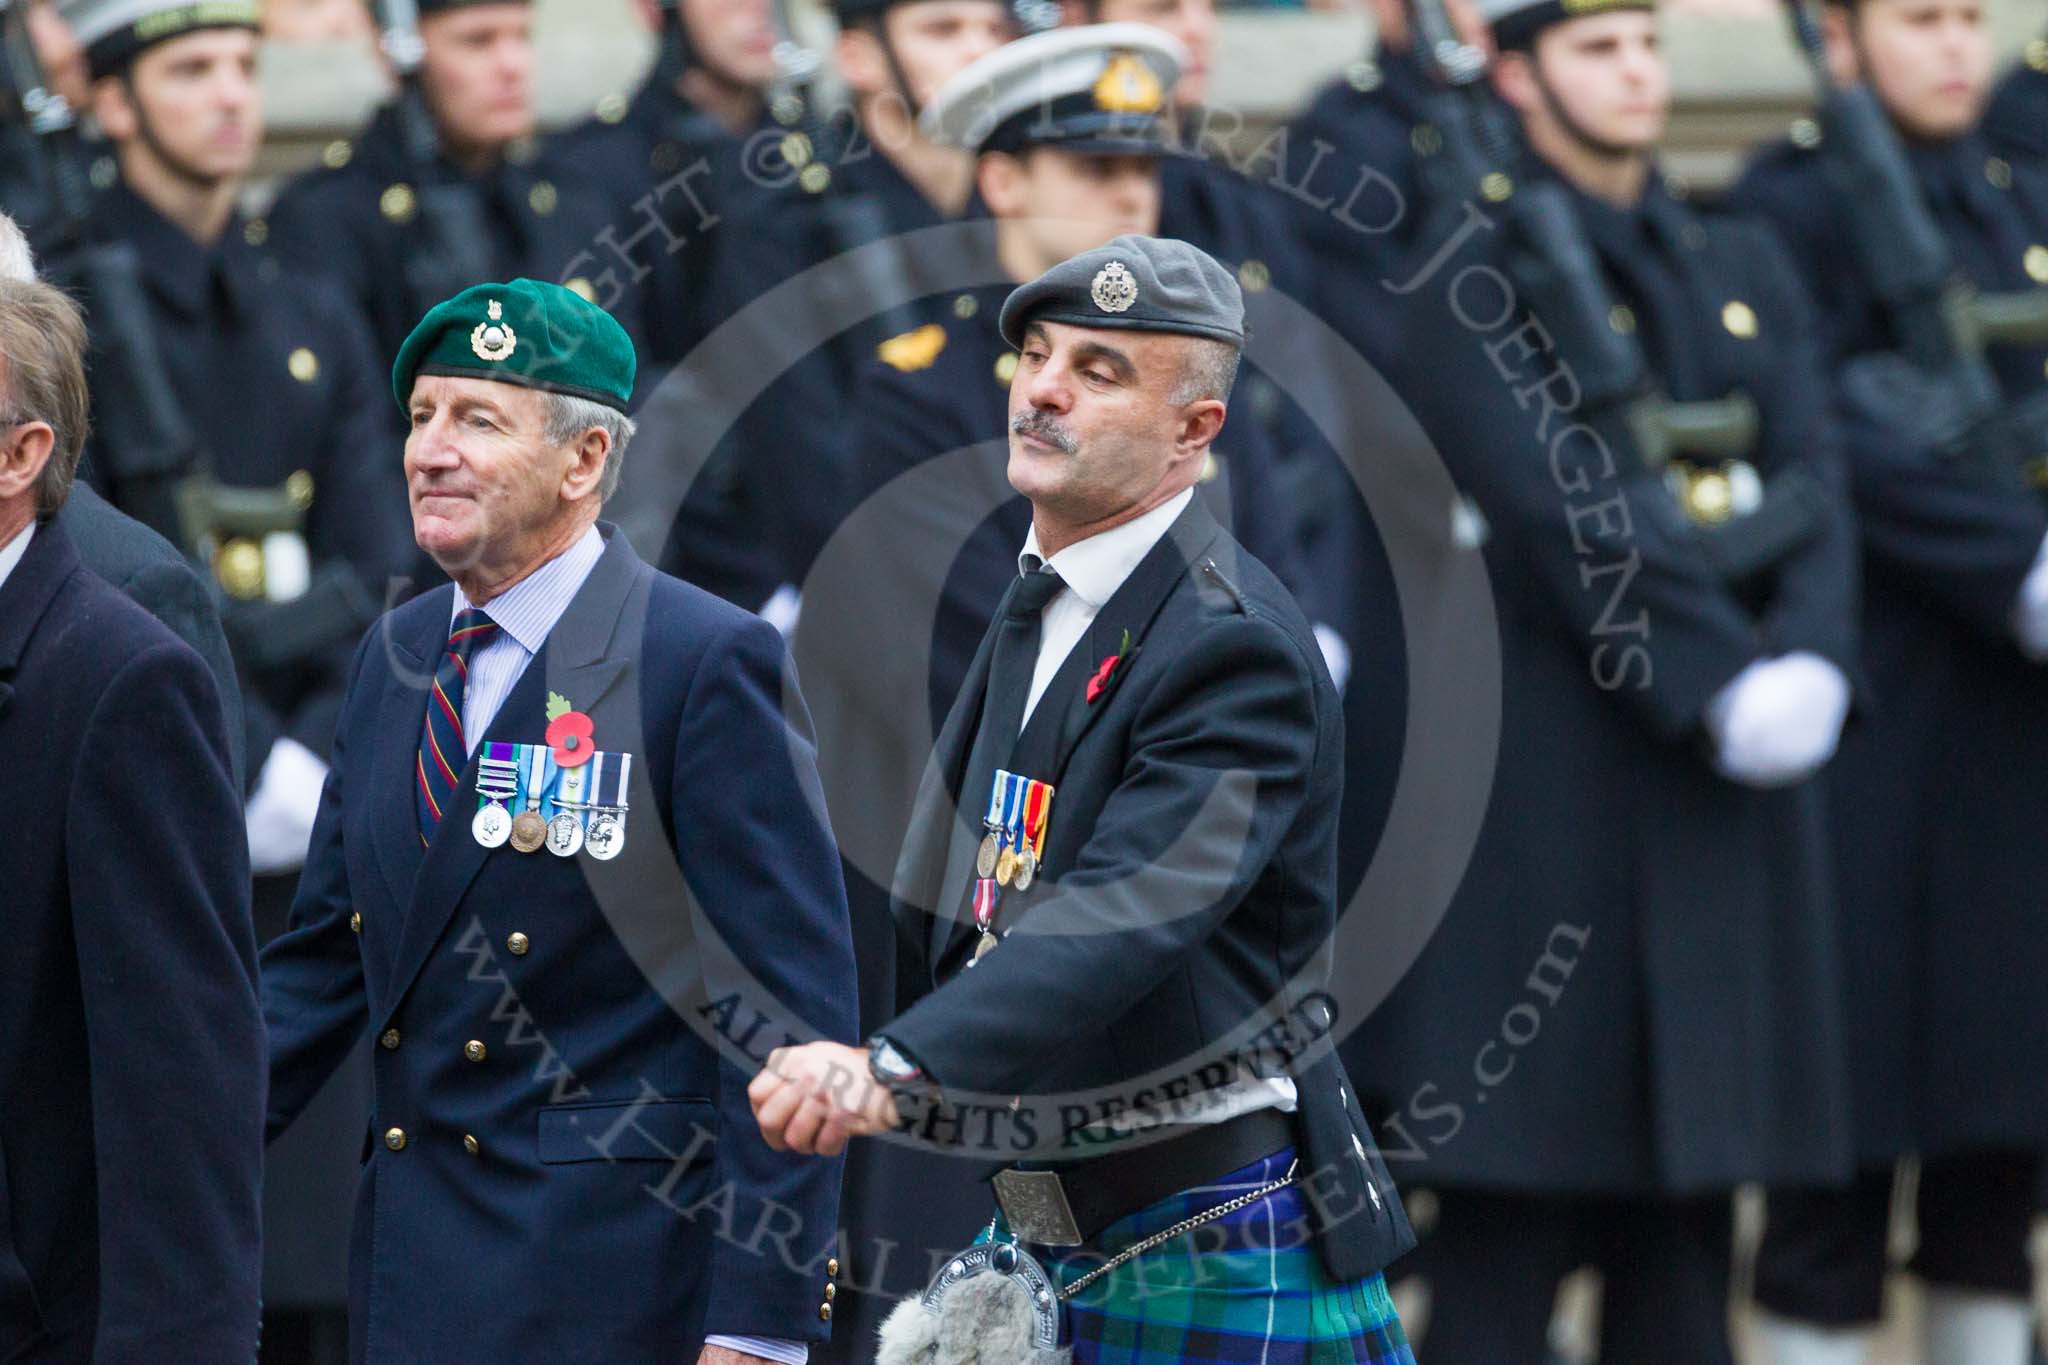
(1154, 702)
(1650, 894)
(537, 885)
(1939, 794)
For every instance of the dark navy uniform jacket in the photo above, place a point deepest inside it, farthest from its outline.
(131, 1044)
(774, 491)
(564, 1164)
(1189, 877)
(356, 217)
(275, 374)
(1689, 1025)
(1937, 794)
(679, 181)
(2017, 120)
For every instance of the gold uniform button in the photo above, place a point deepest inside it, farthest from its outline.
(796, 149)
(1805, 134)
(239, 567)
(1739, 318)
(299, 488)
(543, 198)
(832, 1266)
(1006, 367)
(582, 288)
(397, 203)
(1212, 468)
(2036, 262)
(1425, 139)
(816, 178)
(469, 1144)
(1496, 186)
(390, 1040)
(966, 306)
(473, 1050)
(831, 1292)
(518, 943)
(304, 365)
(256, 231)
(611, 109)
(1254, 276)
(825, 1312)
(337, 154)
(1364, 77)
(1999, 172)
(1622, 319)
(355, 923)
(394, 1138)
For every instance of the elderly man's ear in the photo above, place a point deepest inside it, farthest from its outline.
(22, 458)
(591, 450)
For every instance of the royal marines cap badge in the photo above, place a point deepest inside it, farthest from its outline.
(1115, 289)
(494, 340)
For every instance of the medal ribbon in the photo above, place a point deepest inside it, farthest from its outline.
(497, 776)
(986, 894)
(993, 821)
(569, 790)
(1037, 801)
(539, 769)
(1013, 808)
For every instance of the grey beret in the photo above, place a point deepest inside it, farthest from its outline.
(1140, 284)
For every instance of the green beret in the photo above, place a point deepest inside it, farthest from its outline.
(541, 336)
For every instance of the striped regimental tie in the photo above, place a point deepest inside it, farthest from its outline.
(444, 750)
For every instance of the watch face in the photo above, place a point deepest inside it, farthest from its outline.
(890, 1065)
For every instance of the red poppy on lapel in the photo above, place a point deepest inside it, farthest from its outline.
(568, 734)
(1107, 673)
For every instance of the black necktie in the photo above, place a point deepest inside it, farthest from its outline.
(1002, 715)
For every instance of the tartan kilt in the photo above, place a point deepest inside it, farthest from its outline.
(1249, 1286)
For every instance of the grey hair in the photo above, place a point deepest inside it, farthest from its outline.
(42, 378)
(1208, 369)
(568, 417)
(17, 258)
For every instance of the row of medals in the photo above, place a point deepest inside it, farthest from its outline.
(565, 836)
(995, 858)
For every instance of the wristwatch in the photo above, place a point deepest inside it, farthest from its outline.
(891, 1068)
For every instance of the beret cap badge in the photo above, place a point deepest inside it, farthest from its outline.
(1114, 289)
(494, 340)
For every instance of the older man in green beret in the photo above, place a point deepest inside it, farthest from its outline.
(534, 883)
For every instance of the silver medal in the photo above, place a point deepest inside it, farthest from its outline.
(492, 825)
(565, 835)
(606, 838)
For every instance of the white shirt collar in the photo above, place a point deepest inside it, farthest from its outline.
(13, 550)
(528, 609)
(1093, 569)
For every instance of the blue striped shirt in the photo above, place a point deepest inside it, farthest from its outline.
(525, 613)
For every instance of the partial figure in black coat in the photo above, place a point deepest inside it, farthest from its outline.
(131, 1046)
(1936, 795)
(1649, 907)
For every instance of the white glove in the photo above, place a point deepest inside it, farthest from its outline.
(1779, 720)
(2030, 613)
(782, 608)
(280, 814)
(1336, 653)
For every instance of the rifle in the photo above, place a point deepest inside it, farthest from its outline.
(1556, 272)
(1938, 382)
(451, 246)
(161, 472)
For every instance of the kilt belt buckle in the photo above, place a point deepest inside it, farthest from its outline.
(1034, 1204)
